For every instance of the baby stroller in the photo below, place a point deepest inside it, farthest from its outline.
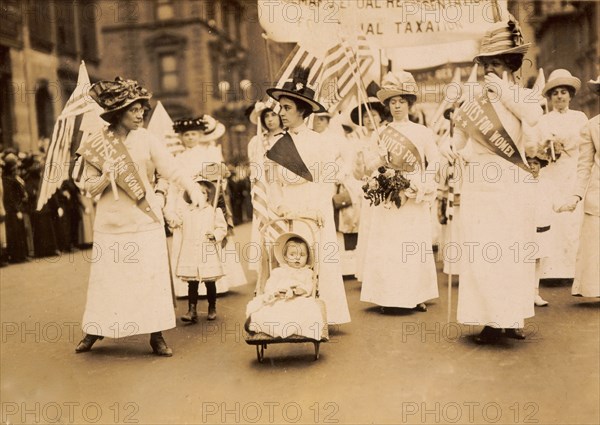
(307, 230)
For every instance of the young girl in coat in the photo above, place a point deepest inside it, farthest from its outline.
(203, 229)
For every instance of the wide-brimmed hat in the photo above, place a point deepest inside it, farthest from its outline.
(561, 77)
(257, 111)
(115, 95)
(594, 85)
(210, 128)
(372, 103)
(297, 88)
(400, 83)
(505, 39)
(212, 171)
(280, 245)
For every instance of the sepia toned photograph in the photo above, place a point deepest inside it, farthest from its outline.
(299, 212)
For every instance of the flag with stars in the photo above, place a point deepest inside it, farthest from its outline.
(80, 117)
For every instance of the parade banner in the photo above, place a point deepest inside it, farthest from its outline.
(104, 146)
(479, 119)
(386, 23)
(402, 153)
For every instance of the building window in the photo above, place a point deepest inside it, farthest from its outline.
(40, 27)
(87, 31)
(44, 109)
(225, 16)
(65, 28)
(167, 72)
(164, 10)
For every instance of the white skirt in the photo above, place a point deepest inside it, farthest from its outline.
(129, 291)
(587, 275)
(399, 268)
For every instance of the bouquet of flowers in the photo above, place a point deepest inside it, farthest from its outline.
(551, 149)
(387, 186)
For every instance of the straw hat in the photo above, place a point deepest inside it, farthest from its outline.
(210, 187)
(561, 77)
(280, 245)
(372, 103)
(297, 88)
(505, 39)
(400, 83)
(210, 128)
(257, 111)
(595, 85)
(113, 96)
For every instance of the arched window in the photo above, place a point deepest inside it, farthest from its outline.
(44, 109)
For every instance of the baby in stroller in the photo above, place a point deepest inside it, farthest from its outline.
(286, 306)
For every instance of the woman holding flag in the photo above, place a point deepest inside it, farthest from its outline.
(304, 173)
(129, 289)
(494, 133)
(399, 268)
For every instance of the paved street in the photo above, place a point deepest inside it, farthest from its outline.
(398, 367)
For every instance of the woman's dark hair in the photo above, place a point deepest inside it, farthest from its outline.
(263, 115)
(570, 89)
(512, 60)
(303, 107)
(410, 98)
(116, 116)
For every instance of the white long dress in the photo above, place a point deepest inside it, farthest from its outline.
(399, 267)
(298, 195)
(497, 227)
(192, 161)
(587, 274)
(368, 147)
(562, 175)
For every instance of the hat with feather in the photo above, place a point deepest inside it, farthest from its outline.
(297, 88)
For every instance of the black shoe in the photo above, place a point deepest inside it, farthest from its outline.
(212, 312)
(191, 316)
(86, 343)
(159, 346)
(488, 335)
(514, 333)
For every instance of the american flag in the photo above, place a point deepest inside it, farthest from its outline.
(79, 118)
(343, 69)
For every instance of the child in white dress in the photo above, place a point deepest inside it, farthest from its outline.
(286, 306)
(543, 218)
(199, 259)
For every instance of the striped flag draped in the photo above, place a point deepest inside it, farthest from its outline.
(80, 115)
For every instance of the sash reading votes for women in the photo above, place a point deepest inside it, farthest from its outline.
(402, 153)
(479, 119)
(127, 177)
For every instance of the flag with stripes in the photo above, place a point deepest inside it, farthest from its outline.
(79, 118)
(344, 67)
(299, 56)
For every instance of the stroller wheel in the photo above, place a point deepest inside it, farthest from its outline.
(317, 345)
(260, 352)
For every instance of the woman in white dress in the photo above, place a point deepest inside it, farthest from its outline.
(495, 130)
(399, 266)
(367, 148)
(129, 289)
(269, 129)
(587, 274)
(307, 190)
(562, 125)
